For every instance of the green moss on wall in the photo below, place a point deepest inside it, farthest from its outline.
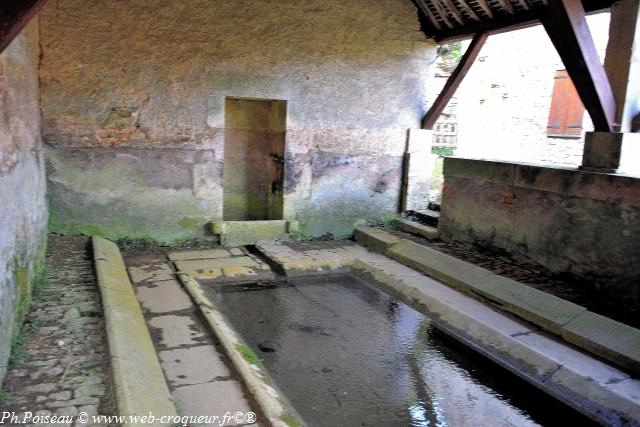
(339, 227)
(23, 293)
(28, 276)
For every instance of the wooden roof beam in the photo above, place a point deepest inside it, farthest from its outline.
(565, 22)
(14, 16)
(454, 81)
(505, 23)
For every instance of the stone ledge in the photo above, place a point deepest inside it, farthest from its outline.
(588, 385)
(375, 239)
(239, 233)
(418, 229)
(602, 336)
(138, 382)
(574, 376)
(608, 187)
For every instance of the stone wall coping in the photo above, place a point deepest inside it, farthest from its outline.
(139, 384)
(609, 187)
(604, 337)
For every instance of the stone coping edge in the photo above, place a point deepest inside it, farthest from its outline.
(416, 228)
(601, 391)
(604, 337)
(599, 402)
(139, 384)
(275, 406)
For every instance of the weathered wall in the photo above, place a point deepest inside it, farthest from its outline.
(22, 184)
(126, 83)
(567, 220)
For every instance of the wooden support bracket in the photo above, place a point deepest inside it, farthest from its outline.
(14, 16)
(566, 24)
(454, 81)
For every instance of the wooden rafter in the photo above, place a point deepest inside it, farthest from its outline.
(565, 22)
(454, 81)
(453, 11)
(468, 10)
(427, 11)
(485, 7)
(506, 6)
(14, 16)
(458, 19)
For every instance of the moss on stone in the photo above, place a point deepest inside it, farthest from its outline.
(248, 354)
(189, 223)
(290, 420)
(23, 293)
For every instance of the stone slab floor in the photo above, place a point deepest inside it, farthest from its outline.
(61, 364)
(201, 378)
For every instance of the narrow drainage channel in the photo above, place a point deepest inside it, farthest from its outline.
(348, 354)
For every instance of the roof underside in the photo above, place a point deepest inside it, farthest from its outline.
(456, 19)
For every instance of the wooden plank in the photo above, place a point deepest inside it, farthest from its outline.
(454, 81)
(485, 7)
(494, 25)
(524, 4)
(425, 8)
(441, 13)
(566, 112)
(565, 22)
(468, 10)
(506, 6)
(453, 11)
(14, 16)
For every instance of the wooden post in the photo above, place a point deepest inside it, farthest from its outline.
(622, 61)
(14, 16)
(454, 81)
(566, 24)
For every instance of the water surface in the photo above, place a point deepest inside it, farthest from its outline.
(347, 354)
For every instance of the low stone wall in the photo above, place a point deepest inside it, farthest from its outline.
(570, 221)
(168, 194)
(23, 209)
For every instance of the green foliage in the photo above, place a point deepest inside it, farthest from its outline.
(451, 52)
(387, 220)
(390, 220)
(443, 151)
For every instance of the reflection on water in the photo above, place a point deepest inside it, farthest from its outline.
(346, 354)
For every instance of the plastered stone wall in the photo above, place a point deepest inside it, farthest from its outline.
(123, 83)
(570, 221)
(23, 213)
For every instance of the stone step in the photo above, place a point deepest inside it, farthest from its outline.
(418, 229)
(240, 233)
(428, 217)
